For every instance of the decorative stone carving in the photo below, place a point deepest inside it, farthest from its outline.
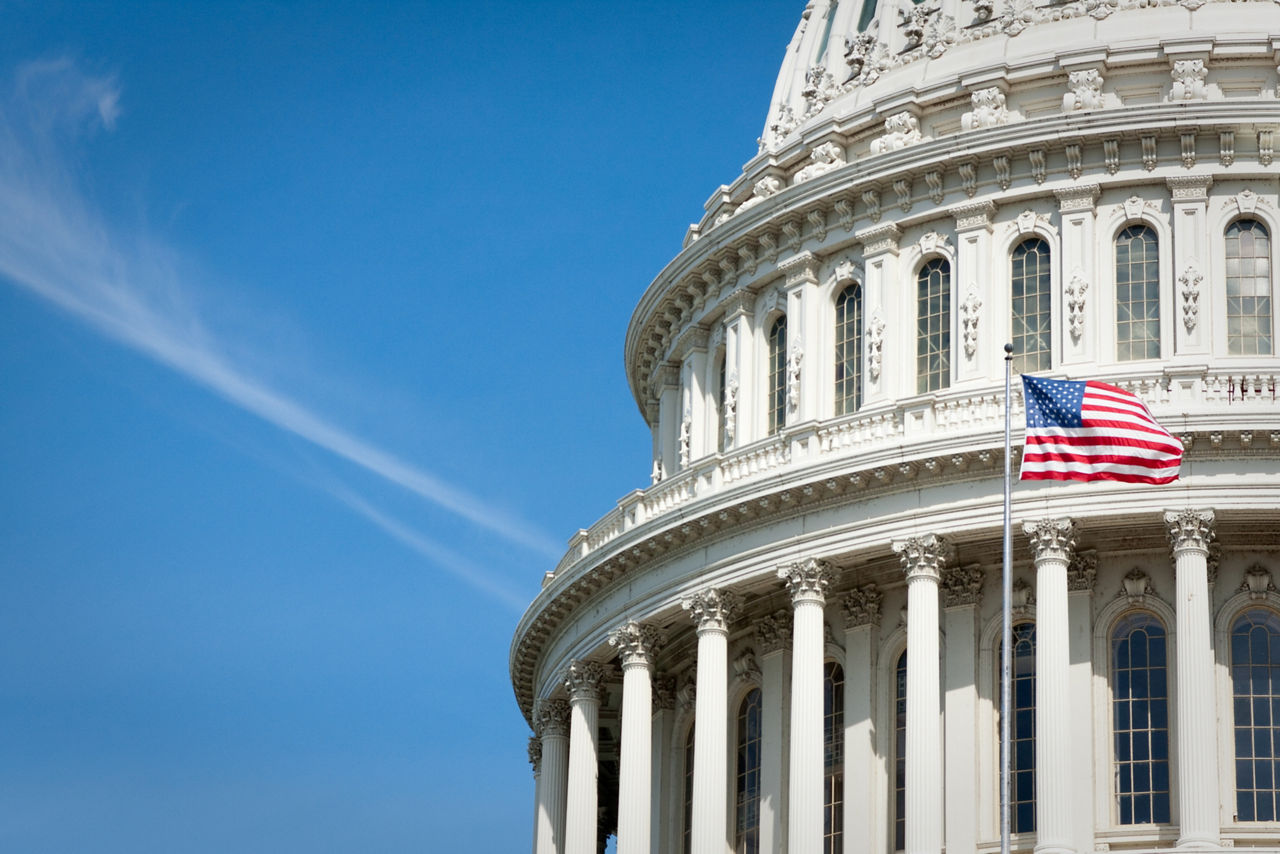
(1135, 586)
(902, 189)
(862, 606)
(1227, 147)
(973, 215)
(1039, 170)
(1075, 293)
(1051, 538)
(1149, 154)
(1086, 91)
(807, 579)
(1082, 572)
(1022, 598)
(931, 242)
(1188, 141)
(962, 585)
(914, 21)
(988, 111)
(773, 632)
(783, 125)
(1188, 80)
(1189, 529)
(875, 344)
(847, 273)
(1265, 151)
(1111, 155)
(1246, 201)
(900, 130)
(1075, 159)
(822, 159)
(791, 233)
(983, 10)
(664, 693)
(686, 432)
(968, 173)
(769, 185)
(551, 718)
(933, 179)
(730, 407)
(871, 198)
(818, 219)
(860, 53)
(794, 360)
(969, 314)
(1189, 287)
(1257, 582)
(844, 210)
(535, 753)
(636, 642)
(819, 88)
(924, 556)
(1003, 170)
(712, 609)
(687, 694)
(657, 474)
(746, 668)
(582, 679)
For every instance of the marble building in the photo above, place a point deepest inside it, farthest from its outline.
(789, 640)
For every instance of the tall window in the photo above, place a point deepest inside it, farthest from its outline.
(1022, 730)
(1255, 682)
(721, 379)
(1248, 288)
(933, 326)
(1029, 276)
(1137, 294)
(833, 758)
(747, 835)
(688, 791)
(777, 375)
(900, 753)
(849, 350)
(1140, 719)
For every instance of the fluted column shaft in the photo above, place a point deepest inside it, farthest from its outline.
(861, 619)
(535, 759)
(581, 823)
(553, 720)
(808, 582)
(1052, 543)
(637, 644)
(773, 637)
(923, 559)
(711, 611)
(1190, 533)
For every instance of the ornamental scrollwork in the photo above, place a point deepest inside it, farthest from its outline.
(969, 315)
(773, 632)
(925, 556)
(636, 642)
(551, 718)
(1075, 293)
(712, 609)
(807, 580)
(862, 606)
(1189, 283)
(582, 679)
(962, 585)
(875, 344)
(1051, 539)
(1190, 529)
(1188, 80)
(1086, 91)
(1082, 572)
(989, 110)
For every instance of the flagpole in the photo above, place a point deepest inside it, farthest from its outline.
(1006, 598)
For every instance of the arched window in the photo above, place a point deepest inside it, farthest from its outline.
(777, 375)
(1140, 719)
(1255, 685)
(721, 379)
(1137, 294)
(1029, 278)
(1248, 288)
(867, 15)
(688, 791)
(833, 758)
(1022, 731)
(849, 350)
(747, 835)
(933, 326)
(900, 753)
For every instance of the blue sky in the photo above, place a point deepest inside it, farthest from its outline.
(311, 322)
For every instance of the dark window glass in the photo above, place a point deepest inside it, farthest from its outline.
(777, 375)
(933, 326)
(1248, 255)
(1137, 294)
(833, 758)
(1255, 682)
(747, 839)
(1031, 325)
(900, 754)
(849, 350)
(1140, 719)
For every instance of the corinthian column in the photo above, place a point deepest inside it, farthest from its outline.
(582, 680)
(773, 636)
(637, 643)
(552, 723)
(1052, 543)
(807, 582)
(861, 619)
(1190, 533)
(923, 559)
(711, 610)
(535, 759)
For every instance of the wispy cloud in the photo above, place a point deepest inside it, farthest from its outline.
(128, 287)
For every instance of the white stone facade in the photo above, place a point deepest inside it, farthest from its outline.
(717, 664)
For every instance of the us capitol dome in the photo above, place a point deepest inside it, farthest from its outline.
(789, 640)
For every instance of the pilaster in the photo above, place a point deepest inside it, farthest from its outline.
(773, 638)
(961, 596)
(972, 285)
(1192, 318)
(1077, 299)
(862, 795)
(881, 310)
(1082, 574)
(740, 398)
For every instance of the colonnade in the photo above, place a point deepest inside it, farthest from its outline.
(940, 595)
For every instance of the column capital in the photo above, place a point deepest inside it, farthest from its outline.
(1051, 539)
(924, 557)
(535, 754)
(1082, 572)
(962, 585)
(1190, 529)
(773, 632)
(551, 718)
(637, 643)
(712, 609)
(861, 606)
(807, 580)
(582, 679)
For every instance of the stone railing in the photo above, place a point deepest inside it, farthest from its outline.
(1169, 394)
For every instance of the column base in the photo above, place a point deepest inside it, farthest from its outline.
(1198, 843)
(1054, 848)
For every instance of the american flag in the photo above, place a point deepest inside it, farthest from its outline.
(1087, 430)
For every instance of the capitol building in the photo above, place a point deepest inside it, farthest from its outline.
(789, 641)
